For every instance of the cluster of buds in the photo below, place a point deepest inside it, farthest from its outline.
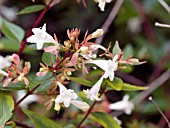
(77, 55)
(15, 72)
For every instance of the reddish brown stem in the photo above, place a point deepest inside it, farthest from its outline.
(28, 93)
(62, 60)
(90, 109)
(23, 44)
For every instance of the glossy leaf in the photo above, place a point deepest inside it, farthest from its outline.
(116, 84)
(31, 9)
(130, 87)
(13, 87)
(105, 120)
(81, 81)
(116, 48)
(41, 121)
(12, 31)
(35, 80)
(7, 106)
(48, 58)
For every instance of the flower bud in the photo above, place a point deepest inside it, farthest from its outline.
(69, 73)
(97, 33)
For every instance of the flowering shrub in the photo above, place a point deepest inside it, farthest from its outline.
(63, 75)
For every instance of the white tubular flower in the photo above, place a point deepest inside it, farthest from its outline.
(125, 105)
(109, 66)
(102, 4)
(40, 37)
(92, 94)
(81, 105)
(4, 62)
(68, 96)
(65, 97)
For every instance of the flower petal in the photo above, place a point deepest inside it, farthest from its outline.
(80, 104)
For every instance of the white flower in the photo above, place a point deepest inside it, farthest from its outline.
(4, 62)
(87, 52)
(68, 96)
(102, 4)
(125, 105)
(30, 99)
(109, 66)
(92, 94)
(40, 37)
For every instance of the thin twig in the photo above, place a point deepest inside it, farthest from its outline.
(110, 19)
(164, 4)
(154, 85)
(26, 95)
(90, 109)
(157, 107)
(162, 25)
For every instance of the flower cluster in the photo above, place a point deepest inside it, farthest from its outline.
(77, 55)
(15, 72)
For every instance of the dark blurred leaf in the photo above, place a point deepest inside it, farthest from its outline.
(116, 84)
(12, 31)
(7, 106)
(130, 87)
(31, 9)
(105, 120)
(41, 121)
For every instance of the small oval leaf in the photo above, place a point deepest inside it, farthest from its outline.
(12, 31)
(31, 9)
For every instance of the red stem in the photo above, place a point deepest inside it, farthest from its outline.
(23, 44)
(90, 109)
(28, 93)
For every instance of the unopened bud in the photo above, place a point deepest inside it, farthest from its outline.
(67, 44)
(69, 73)
(84, 49)
(97, 33)
(63, 77)
(42, 70)
(21, 77)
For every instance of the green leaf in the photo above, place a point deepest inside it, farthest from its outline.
(13, 87)
(31, 9)
(116, 48)
(41, 121)
(128, 51)
(116, 84)
(81, 81)
(49, 58)
(35, 80)
(12, 31)
(7, 106)
(105, 120)
(130, 87)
